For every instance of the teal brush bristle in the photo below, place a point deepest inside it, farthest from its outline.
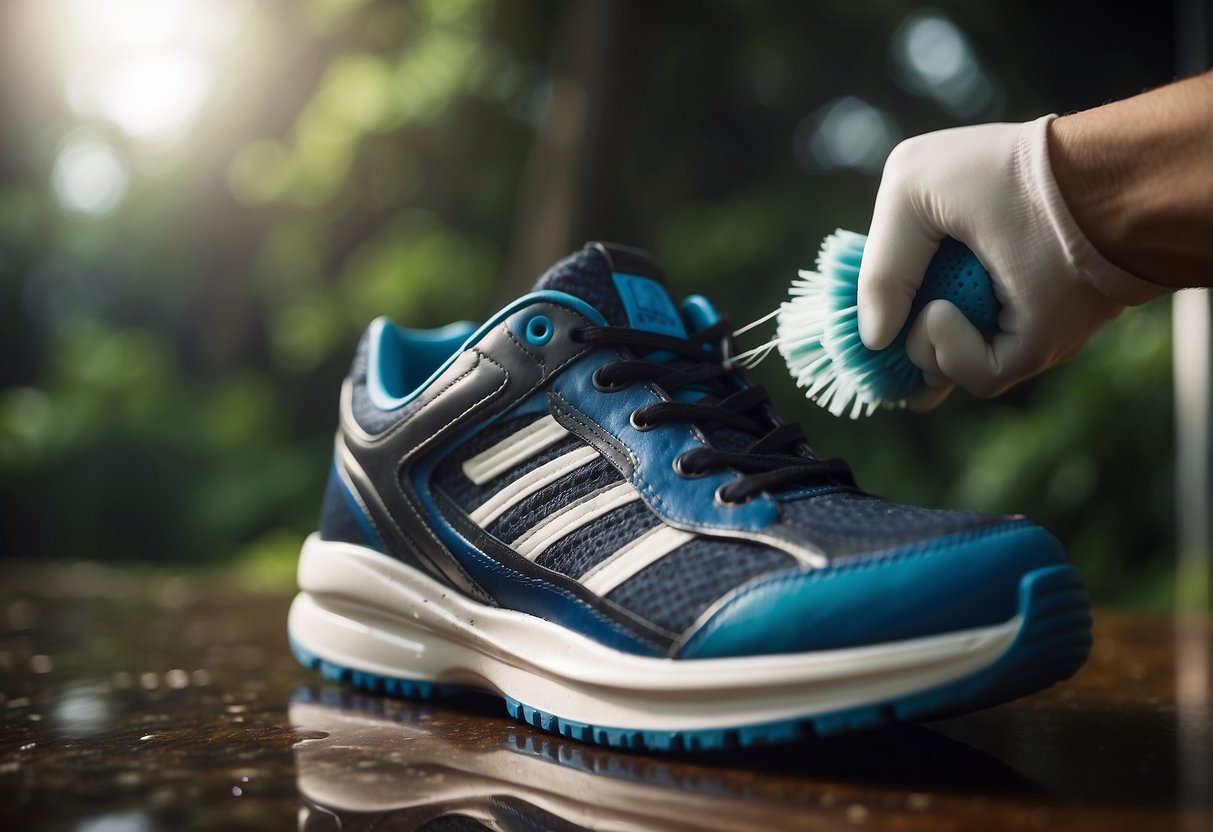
(818, 329)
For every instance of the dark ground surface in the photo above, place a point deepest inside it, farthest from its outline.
(170, 701)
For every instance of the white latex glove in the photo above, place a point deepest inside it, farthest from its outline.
(991, 187)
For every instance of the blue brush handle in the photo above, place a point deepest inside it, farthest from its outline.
(956, 275)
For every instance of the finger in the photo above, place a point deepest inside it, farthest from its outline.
(894, 261)
(964, 356)
(921, 353)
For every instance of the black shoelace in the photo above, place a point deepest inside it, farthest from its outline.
(778, 457)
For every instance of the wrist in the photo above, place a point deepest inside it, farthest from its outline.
(1088, 178)
(1137, 177)
(1072, 251)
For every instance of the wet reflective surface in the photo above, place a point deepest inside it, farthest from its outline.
(171, 702)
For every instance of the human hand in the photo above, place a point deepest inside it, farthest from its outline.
(992, 187)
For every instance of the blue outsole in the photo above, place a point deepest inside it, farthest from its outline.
(1051, 645)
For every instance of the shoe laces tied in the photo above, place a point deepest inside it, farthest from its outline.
(778, 457)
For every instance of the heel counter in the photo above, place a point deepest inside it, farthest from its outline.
(342, 516)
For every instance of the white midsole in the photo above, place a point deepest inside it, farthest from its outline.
(368, 612)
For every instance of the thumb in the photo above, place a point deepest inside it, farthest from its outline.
(895, 259)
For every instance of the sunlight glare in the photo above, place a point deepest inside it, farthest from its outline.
(134, 23)
(148, 66)
(155, 97)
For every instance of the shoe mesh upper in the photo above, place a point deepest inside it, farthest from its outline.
(676, 589)
(568, 489)
(670, 593)
(574, 554)
(466, 494)
(860, 515)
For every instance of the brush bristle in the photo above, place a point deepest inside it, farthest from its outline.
(818, 328)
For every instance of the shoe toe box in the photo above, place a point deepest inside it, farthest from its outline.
(962, 581)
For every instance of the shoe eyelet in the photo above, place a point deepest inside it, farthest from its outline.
(603, 386)
(681, 471)
(724, 502)
(637, 423)
(539, 330)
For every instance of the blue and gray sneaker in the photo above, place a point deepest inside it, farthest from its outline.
(582, 507)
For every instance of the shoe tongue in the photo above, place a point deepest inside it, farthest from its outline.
(622, 283)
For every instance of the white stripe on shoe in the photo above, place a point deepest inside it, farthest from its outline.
(529, 483)
(515, 449)
(643, 551)
(532, 543)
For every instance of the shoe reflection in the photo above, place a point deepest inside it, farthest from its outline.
(402, 765)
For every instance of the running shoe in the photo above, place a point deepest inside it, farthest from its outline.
(584, 507)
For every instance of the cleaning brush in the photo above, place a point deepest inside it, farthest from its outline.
(817, 330)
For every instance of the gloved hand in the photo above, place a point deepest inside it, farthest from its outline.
(991, 187)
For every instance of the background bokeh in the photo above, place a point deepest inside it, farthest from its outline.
(203, 202)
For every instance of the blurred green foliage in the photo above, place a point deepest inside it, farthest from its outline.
(172, 364)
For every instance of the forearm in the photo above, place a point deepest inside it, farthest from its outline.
(1137, 175)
